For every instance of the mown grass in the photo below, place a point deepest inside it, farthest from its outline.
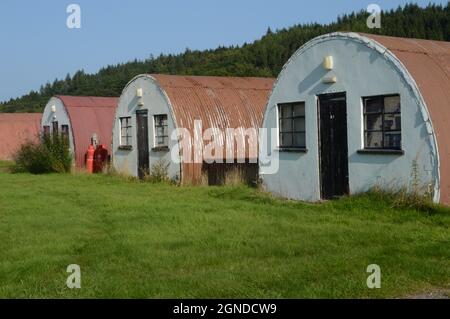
(143, 240)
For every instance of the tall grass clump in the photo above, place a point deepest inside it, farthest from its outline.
(49, 154)
(159, 172)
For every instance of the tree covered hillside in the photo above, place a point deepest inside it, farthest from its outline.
(264, 57)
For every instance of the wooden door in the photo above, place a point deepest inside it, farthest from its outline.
(333, 145)
(142, 143)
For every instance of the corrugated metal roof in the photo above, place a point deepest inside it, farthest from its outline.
(15, 129)
(89, 115)
(428, 62)
(219, 102)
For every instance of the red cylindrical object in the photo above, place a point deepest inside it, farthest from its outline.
(100, 158)
(90, 159)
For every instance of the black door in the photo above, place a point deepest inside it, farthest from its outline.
(142, 143)
(333, 145)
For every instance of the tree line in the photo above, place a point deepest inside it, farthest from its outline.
(262, 58)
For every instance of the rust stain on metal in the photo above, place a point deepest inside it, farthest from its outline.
(16, 129)
(428, 62)
(218, 102)
(89, 115)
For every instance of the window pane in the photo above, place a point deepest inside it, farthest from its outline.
(392, 122)
(374, 105)
(286, 139)
(393, 140)
(299, 124)
(374, 140)
(392, 104)
(286, 125)
(285, 111)
(374, 122)
(299, 140)
(299, 109)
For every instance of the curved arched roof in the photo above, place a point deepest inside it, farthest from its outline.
(428, 62)
(219, 102)
(89, 115)
(16, 129)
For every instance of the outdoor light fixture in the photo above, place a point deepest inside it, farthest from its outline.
(328, 63)
(139, 92)
(329, 80)
(53, 108)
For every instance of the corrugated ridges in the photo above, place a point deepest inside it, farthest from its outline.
(89, 115)
(16, 129)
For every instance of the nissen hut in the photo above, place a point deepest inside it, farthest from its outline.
(152, 107)
(84, 119)
(350, 112)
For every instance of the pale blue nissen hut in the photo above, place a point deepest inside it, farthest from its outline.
(350, 111)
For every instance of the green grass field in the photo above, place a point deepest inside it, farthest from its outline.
(141, 240)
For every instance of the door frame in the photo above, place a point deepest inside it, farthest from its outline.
(319, 98)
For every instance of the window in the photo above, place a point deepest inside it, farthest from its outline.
(382, 123)
(292, 125)
(55, 127)
(125, 131)
(65, 130)
(47, 130)
(161, 131)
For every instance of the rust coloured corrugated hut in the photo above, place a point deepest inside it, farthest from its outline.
(16, 129)
(180, 101)
(81, 117)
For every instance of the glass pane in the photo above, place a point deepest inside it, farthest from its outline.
(392, 104)
(166, 141)
(285, 111)
(374, 122)
(392, 122)
(299, 140)
(299, 109)
(299, 124)
(373, 140)
(286, 139)
(393, 140)
(286, 125)
(374, 105)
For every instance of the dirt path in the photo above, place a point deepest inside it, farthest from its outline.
(435, 294)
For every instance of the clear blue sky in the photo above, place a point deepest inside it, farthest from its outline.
(37, 47)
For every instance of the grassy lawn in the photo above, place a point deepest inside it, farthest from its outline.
(5, 165)
(142, 240)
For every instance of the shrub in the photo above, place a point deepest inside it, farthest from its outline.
(50, 154)
(159, 172)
